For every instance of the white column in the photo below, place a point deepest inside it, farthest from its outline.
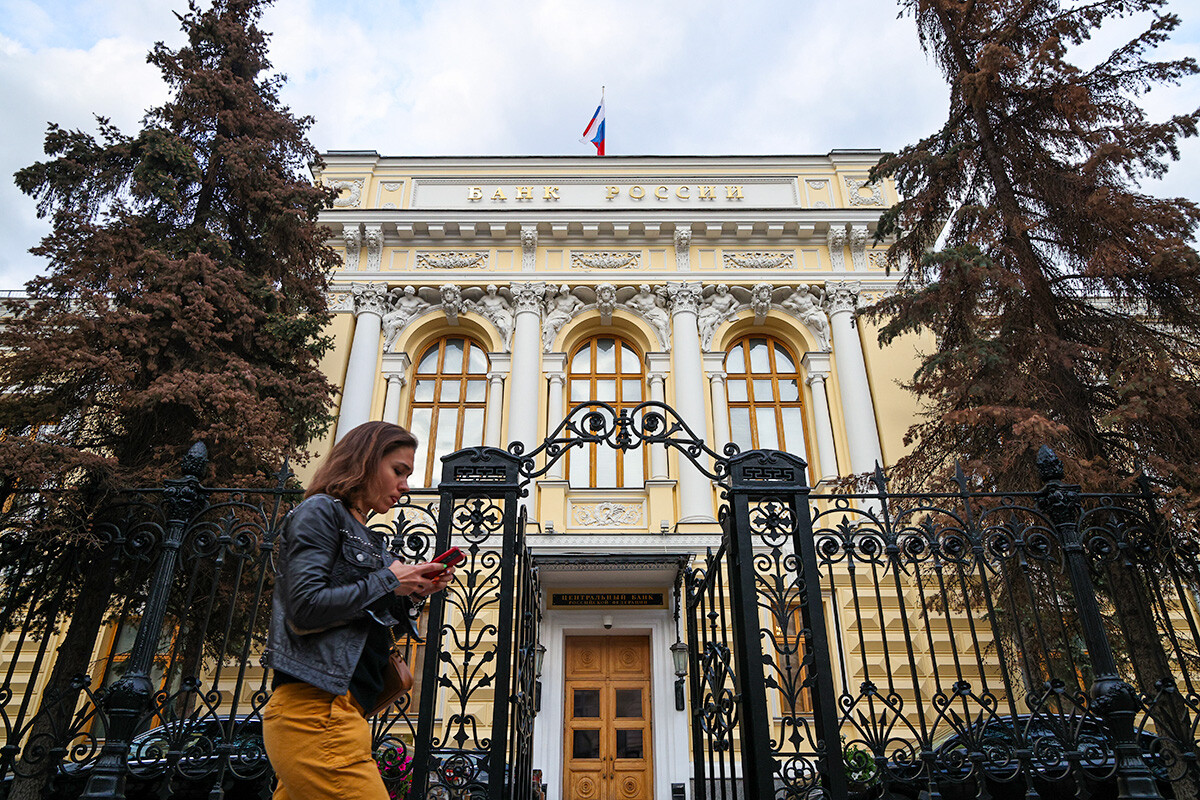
(359, 386)
(862, 434)
(500, 365)
(526, 381)
(816, 365)
(714, 368)
(391, 400)
(658, 364)
(395, 370)
(554, 365)
(695, 490)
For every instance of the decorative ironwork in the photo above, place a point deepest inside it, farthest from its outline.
(648, 423)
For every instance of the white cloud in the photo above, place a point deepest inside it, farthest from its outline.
(467, 77)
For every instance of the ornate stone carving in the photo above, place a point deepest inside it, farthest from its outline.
(452, 302)
(683, 243)
(878, 259)
(819, 184)
(606, 301)
(649, 306)
(340, 300)
(529, 240)
(805, 303)
(388, 206)
(841, 297)
(760, 301)
(452, 260)
(560, 307)
(607, 515)
(369, 298)
(607, 260)
(759, 260)
(684, 297)
(404, 305)
(374, 247)
(853, 185)
(858, 247)
(837, 241)
(718, 307)
(528, 296)
(351, 200)
(391, 186)
(495, 308)
(352, 237)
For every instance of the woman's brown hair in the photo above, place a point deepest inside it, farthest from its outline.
(353, 461)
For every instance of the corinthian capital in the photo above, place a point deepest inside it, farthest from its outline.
(369, 298)
(528, 296)
(684, 297)
(841, 297)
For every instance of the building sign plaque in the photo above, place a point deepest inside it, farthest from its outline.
(628, 193)
(591, 599)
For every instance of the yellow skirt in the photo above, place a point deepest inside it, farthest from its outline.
(320, 746)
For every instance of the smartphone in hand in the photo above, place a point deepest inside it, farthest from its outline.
(451, 558)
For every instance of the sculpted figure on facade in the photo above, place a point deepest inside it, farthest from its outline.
(374, 247)
(760, 301)
(649, 306)
(606, 301)
(718, 307)
(805, 303)
(529, 239)
(559, 308)
(452, 302)
(496, 309)
(352, 238)
(404, 305)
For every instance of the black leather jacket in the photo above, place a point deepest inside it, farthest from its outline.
(331, 585)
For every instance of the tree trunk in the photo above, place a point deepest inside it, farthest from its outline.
(53, 719)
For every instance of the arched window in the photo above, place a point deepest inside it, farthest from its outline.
(448, 401)
(763, 385)
(608, 369)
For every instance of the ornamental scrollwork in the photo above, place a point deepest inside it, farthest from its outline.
(351, 200)
(606, 260)
(452, 260)
(854, 187)
(759, 260)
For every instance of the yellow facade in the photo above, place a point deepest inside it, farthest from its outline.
(679, 261)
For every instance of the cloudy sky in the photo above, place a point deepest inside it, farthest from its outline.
(481, 77)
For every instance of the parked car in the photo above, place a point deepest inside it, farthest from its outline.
(1061, 756)
(186, 754)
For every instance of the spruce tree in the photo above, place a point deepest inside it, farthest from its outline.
(1064, 300)
(185, 301)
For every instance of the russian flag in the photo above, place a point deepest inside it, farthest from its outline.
(594, 132)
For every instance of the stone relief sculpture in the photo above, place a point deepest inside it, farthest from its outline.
(606, 301)
(456, 260)
(374, 247)
(649, 306)
(805, 303)
(351, 200)
(353, 239)
(715, 309)
(496, 309)
(404, 306)
(559, 308)
(606, 260)
(529, 240)
(452, 302)
(854, 187)
(760, 301)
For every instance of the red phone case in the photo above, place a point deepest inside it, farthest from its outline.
(451, 557)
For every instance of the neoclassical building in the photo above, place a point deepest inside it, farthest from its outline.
(481, 298)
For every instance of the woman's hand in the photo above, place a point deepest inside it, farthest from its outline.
(421, 579)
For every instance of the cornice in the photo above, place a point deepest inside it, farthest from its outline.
(339, 160)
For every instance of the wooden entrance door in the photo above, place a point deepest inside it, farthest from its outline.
(608, 719)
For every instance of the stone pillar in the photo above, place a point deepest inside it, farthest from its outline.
(862, 434)
(391, 401)
(500, 363)
(714, 367)
(554, 365)
(359, 386)
(658, 365)
(395, 370)
(816, 365)
(695, 490)
(525, 387)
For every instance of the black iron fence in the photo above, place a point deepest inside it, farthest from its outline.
(134, 638)
(883, 644)
(942, 645)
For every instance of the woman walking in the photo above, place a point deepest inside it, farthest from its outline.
(338, 592)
